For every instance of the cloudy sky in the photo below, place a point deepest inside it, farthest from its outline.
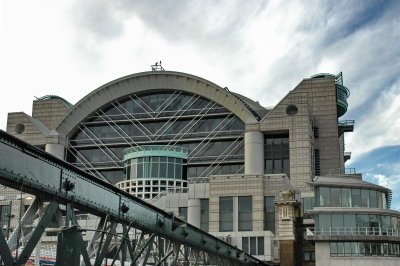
(261, 49)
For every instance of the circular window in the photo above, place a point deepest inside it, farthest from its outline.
(19, 128)
(292, 110)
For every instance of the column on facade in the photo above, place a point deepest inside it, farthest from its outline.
(194, 212)
(56, 150)
(254, 152)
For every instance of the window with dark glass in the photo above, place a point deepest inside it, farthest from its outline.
(276, 154)
(204, 214)
(5, 213)
(364, 249)
(269, 213)
(356, 197)
(324, 196)
(345, 197)
(253, 245)
(183, 213)
(373, 202)
(225, 214)
(309, 255)
(308, 205)
(365, 198)
(335, 197)
(245, 213)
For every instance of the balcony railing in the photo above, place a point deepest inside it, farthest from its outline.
(353, 231)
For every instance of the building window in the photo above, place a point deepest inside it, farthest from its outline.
(309, 256)
(350, 197)
(245, 213)
(5, 213)
(308, 205)
(269, 214)
(204, 214)
(226, 214)
(285, 212)
(356, 224)
(276, 154)
(253, 245)
(183, 211)
(317, 162)
(345, 249)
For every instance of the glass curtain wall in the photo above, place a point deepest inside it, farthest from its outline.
(364, 249)
(213, 134)
(357, 224)
(156, 167)
(350, 197)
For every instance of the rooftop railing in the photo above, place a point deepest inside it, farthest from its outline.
(346, 123)
(353, 231)
(155, 148)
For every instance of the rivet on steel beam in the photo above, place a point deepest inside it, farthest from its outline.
(124, 208)
(184, 233)
(68, 185)
(161, 222)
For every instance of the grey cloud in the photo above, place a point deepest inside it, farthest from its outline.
(97, 19)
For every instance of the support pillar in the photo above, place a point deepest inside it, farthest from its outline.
(253, 153)
(194, 212)
(56, 150)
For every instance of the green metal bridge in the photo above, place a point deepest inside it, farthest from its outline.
(136, 232)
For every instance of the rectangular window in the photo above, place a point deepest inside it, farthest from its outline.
(346, 197)
(335, 197)
(356, 197)
(334, 250)
(349, 222)
(245, 244)
(253, 245)
(226, 214)
(373, 202)
(5, 213)
(325, 223)
(260, 245)
(276, 154)
(379, 198)
(204, 214)
(324, 196)
(309, 256)
(337, 224)
(269, 213)
(245, 213)
(308, 205)
(340, 249)
(183, 213)
(362, 221)
(364, 198)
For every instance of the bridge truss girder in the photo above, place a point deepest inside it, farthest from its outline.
(131, 227)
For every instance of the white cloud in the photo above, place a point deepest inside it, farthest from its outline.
(378, 127)
(260, 50)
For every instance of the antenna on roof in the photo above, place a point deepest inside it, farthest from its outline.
(157, 67)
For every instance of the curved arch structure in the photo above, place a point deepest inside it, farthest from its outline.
(158, 108)
(147, 81)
